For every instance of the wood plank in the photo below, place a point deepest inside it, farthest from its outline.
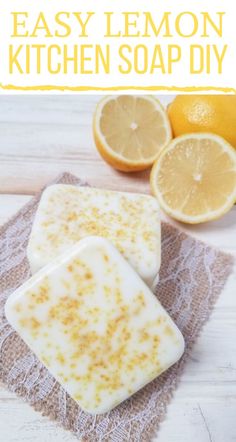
(41, 138)
(27, 177)
(195, 418)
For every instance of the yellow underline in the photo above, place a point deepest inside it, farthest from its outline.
(10, 87)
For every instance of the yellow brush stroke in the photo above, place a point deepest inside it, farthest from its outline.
(118, 88)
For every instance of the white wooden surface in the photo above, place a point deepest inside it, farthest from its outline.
(41, 136)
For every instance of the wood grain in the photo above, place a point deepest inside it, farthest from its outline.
(41, 136)
(50, 137)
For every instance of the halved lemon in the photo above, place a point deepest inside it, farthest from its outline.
(194, 179)
(130, 131)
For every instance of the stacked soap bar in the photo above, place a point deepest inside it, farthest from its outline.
(90, 318)
(68, 213)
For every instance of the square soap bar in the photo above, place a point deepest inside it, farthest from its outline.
(95, 325)
(68, 213)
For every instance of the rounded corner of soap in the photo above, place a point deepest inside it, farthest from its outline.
(95, 240)
(154, 200)
(94, 411)
(182, 345)
(33, 260)
(49, 189)
(7, 309)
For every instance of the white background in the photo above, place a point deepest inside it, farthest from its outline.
(180, 76)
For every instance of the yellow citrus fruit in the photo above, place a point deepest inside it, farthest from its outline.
(204, 113)
(194, 179)
(130, 131)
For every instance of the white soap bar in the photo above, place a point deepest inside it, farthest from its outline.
(95, 325)
(67, 214)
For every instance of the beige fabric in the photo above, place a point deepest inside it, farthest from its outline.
(192, 276)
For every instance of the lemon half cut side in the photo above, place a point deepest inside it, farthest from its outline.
(194, 179)
(130, 131)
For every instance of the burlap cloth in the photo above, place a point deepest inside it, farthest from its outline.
(192, 276)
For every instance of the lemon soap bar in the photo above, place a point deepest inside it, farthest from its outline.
(95, 325)
(68, 213)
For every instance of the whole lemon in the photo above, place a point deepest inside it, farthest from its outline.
(204, 113)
